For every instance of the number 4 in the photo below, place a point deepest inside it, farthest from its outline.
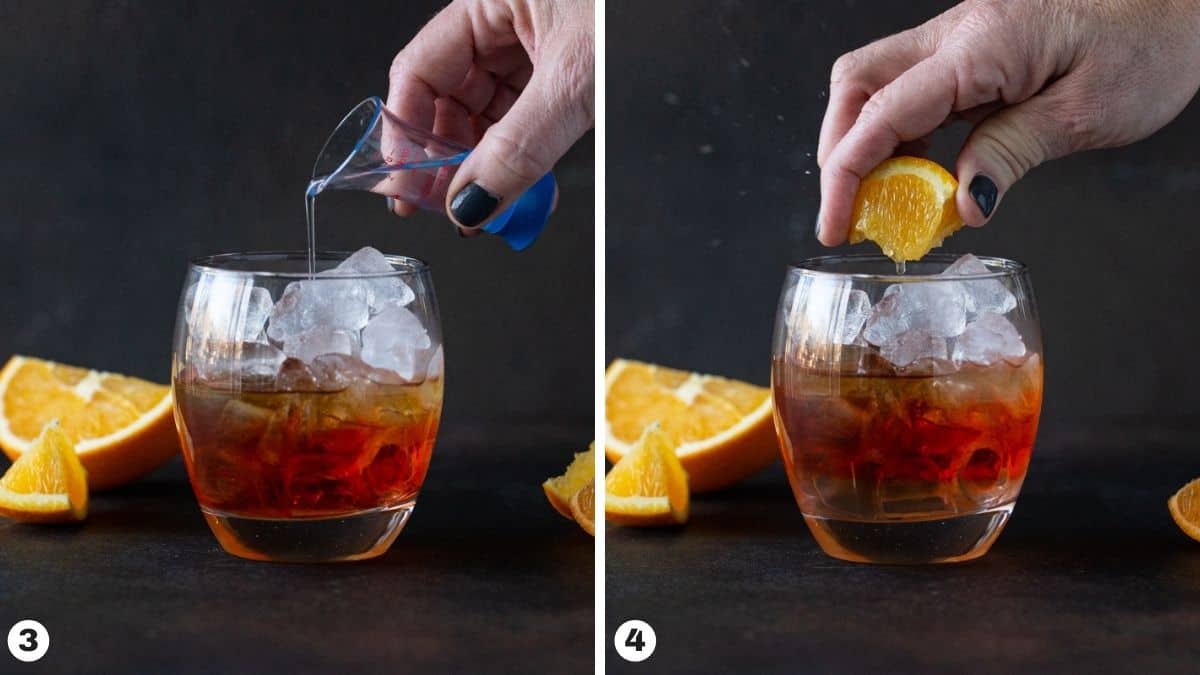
(634, 639)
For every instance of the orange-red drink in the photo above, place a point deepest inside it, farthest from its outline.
(260, 456)
(871, 446)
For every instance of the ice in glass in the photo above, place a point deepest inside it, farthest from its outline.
(907, 406)
(307, 405)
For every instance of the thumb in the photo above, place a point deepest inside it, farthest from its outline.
(553, 111)
(1013, 140)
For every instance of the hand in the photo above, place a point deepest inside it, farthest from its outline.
(1039, 79)
(515, 78)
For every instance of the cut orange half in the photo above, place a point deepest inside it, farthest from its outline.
(721, 429)
(560, 489)
(47, 484)
(583, 508)
(1185, 509)
(906, 206)
(649, 485)
(121, 427)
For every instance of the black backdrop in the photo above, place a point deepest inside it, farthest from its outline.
(713, 113)
(136, 135)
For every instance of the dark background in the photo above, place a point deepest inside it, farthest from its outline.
(136, 135)
(713, 114)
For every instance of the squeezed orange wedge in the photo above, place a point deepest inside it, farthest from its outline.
(906, 206)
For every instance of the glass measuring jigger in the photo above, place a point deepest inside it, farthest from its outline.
(373, 150)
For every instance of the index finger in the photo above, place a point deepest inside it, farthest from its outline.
(857, 75)
(434, 62)
(912, 106)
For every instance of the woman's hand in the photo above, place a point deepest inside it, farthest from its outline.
(515, 78)
(1040, 80)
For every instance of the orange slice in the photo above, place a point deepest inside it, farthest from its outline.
(722, 429)
(583, 508)
(1185, 509)
(906, 205)
(649, 485)
(560, 489)
(47, 484)
(122, 427)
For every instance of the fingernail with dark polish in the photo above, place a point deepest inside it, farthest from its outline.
(983, 191)
(472, 205)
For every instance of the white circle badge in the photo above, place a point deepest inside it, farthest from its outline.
(28, 640)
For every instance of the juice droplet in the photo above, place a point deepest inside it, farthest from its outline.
(900, 267)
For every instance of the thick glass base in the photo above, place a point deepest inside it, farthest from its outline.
(355, 536)
(910, 542)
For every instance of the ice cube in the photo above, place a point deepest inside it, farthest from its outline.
(982, 295)
(886, 320)
(858, 308)
(258, 308)
(987, 340)
(295, 375)
(317, 341)
(829, 311)
(936, 307)
(381, 291)
(911, 346)
(395, 340)
(259, 360)
(328, 303)
(226, 308)
(234, 363)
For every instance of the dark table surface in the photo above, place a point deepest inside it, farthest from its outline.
(1091, 575)
(485, 578)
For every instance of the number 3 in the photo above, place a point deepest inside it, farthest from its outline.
(30, 636)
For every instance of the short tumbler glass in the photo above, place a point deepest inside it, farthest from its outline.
(907, 405)
(307, 405)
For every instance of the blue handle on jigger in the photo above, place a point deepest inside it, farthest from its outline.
(521, 224)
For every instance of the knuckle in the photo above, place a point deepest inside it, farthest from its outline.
(874, 108)
(877, 110)
(846, 68)
(985, 16)
(1016, 153)
(398, 68)
(979, 78)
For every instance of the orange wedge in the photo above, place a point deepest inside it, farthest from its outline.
(47, 484)
(906, 205)
(560, 489)
(722, 429)
(583, 508)
(122, 427)
(649, 485)
(1185, 509)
